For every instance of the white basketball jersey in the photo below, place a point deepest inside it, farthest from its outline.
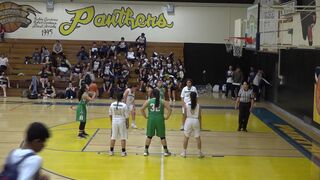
(193, 114)
(118, 111)
(185, 93)
(130, 97)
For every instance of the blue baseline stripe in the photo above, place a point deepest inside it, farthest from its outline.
(271, 120)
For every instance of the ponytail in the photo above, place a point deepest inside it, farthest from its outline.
(119, 98)
(81, 91)
(193, 97)
(156, 94)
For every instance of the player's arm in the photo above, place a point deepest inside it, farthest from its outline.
(184, 114)
(88, 98)
(110, 114)
(200, 117)
(169, 109)
(126, 114)
(143, 108)
(125, 95)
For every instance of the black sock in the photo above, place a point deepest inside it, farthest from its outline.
(123, 149)
(111, 148)
(165, 147)
(147, 146)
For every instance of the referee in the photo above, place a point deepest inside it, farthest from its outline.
(244, 102)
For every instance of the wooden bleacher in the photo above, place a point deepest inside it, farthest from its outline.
(20, 74)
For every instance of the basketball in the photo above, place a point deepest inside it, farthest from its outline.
(93, 87)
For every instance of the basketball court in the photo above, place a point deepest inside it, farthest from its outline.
(272, 147)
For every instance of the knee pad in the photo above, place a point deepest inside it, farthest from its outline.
(162, 138)
(150, 137)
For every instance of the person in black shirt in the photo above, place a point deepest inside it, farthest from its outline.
(103, 50)
(107, 86)
(122, 85)
(76, 71)
(83, 56)
(44, 76)
(49, 91)
(112, 50)
(122, 46)
(141, 41)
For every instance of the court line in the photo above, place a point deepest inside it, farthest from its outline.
(16, 107)
(57, 174)
(162, 165)
(90, 139)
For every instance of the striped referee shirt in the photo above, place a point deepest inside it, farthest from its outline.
(245, 96)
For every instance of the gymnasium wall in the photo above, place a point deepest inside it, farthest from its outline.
(196, 23)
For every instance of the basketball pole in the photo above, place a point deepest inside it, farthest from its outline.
(258, 30)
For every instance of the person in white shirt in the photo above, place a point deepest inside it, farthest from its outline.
(119, 116)
(128, 97)
(256, 85)
(29, 169)
(4, 83)
(185, 97)
(3, 63)
(192, 113)
(229, 81)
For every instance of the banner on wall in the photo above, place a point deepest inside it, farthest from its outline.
(316, 102)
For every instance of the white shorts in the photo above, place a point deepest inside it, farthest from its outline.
(63, 69)
(119, 130)
(130, 107)
(192, 126)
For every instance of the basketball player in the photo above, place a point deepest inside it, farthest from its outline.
(155, 124)
(185, 96)
(119, 116)
(192, 113)
(84, 97)
(128, 97)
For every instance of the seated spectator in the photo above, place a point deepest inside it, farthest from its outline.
(44, 53)
(107, 69)
(96, 66)
(143, 79)
(112, 50)
(117, 68)
(76, 71)
(44, 76)
(122, 46)
(70, 91)
(94, 51)
(141, 41)
(4, 63)
(103, 50)
(131, 57)
(33, 88)
(36, 56)
(64, 67)
(2, 31)
(83, 56)
(125, 72)
(57, 48)
(4, 83)
(121, 85)
(49, 91)
(107, 86)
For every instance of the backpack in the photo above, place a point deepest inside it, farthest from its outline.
(10, 171)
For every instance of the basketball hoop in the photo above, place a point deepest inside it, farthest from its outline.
(229, 45)
(236, 44)
(237, 50)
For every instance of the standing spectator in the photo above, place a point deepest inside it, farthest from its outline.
(57, 48)
(83, 56)
(185, 96)
(237, 79)
(4, 83)
(107, 86)
(44, 53)
(172, 86)
(244, 102)
(36, 56)
(251, 76)
(70, 91)
(229, 81)
(2, 31)
(256, 83)
(141, 41)
(4, 63)
(122, 46)
(29, 163)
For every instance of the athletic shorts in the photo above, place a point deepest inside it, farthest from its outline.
(119, 131)
(192, 126)
(130, 107)
(156, 126)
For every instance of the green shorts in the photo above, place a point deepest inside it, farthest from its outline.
(157, 127)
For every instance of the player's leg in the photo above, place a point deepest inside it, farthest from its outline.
(183, 119)
(123, 136)
(133, 116)
(196, 129)
(187, 133)
(150, 133)
(161, 132)
(114, 136)
(81, 130)
(4, 88)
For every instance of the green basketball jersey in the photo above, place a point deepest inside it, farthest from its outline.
(155, 112)
(161, 90)
(81, 112)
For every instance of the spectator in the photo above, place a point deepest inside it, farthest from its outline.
(57, 48)
(141, 41)
(122, 46)
(229, 81)
(125, 72)
(256, 83)
(103, 51)
(94, 51)
(49, 91)
(172, 87)
(251, 76)
(112, 50)
(237, 79)
(30, 165)
(107, 86)
(36, 56)
(2, 31)
(44, 53)
(117, 68)
(131, 57)
(4, 63)
(122, 85)
(34, 86)
(4, 83)
(107, 69)
(64, 67)
(70, 91)
(83, 56)
(96, 66)
(44, 76)
(76, 71)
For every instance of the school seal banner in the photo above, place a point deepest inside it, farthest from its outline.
(14, 16)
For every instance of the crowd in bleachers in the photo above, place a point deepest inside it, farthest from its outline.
(109, 63)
